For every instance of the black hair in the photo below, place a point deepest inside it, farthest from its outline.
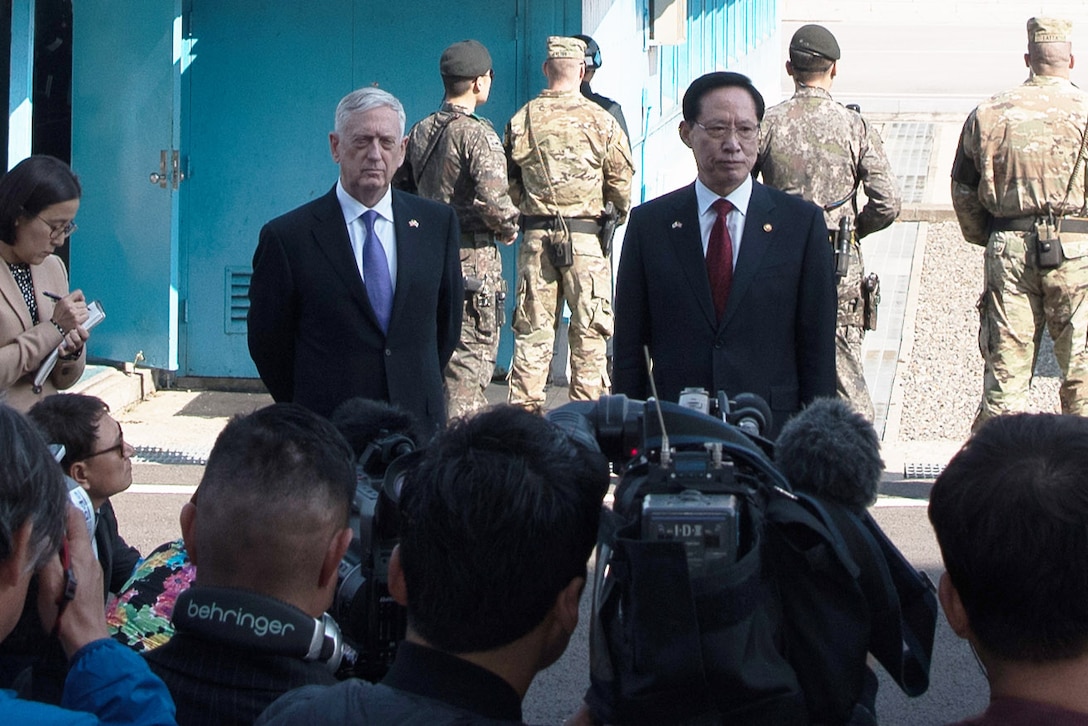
(807, 64)
(496, 519)
(693, 97)
(265, 471)
(69, 419)
(457, 85)
(1011, 516)
(32, 185)
(31, 488)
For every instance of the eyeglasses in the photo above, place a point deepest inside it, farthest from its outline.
(744, 132)
(119, 447)
(59, 231)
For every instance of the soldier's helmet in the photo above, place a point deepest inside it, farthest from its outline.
(593, 52)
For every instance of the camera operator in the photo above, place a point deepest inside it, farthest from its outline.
(497, 522)
(1009, 512)
(266, 535)
(99, 461)
(106, 681)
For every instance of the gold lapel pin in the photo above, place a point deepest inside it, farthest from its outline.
(677, 225)
(413, 223)
(767, 227)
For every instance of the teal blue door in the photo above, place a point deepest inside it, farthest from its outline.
(236, 99)
(263, 83)
(124, 109)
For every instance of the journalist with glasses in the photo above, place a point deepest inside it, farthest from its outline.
(39, 199)
(99, 460)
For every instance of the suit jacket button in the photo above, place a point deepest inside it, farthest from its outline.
(388, 352)
(719, 345)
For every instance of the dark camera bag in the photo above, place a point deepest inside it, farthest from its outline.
(779, 636)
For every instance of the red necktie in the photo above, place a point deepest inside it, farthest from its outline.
(719, 257)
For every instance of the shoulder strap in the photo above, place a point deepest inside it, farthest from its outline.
(433, 145)
(1073, 175)
(543, 163)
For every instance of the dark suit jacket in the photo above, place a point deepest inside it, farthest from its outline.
(219, 683)
(312, 332)
(777, 336)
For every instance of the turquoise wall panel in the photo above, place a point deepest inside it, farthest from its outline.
(124, 95)
(262, 81)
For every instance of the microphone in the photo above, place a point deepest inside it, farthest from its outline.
(363, 421)
(831, 451)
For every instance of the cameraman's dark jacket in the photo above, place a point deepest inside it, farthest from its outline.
(223, 683)
(425, 687)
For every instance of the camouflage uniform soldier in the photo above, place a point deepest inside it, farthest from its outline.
(1016, 164)
(816, 148)
(567, 159)
(456, 157)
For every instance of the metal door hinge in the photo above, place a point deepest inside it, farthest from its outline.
(177, 176)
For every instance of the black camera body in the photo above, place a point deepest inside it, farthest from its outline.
(372, 622)
(708, 525)
(688, 471)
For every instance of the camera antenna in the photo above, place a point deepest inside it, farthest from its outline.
(657, 406)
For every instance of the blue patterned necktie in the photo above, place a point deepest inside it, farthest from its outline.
(379, 287)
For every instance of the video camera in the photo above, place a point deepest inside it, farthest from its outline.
(686, 469)
(722, 593)
(371, 621)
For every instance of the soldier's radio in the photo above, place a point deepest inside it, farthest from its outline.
(1048, 246)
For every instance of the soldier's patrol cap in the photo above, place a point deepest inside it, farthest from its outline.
(593, 51)
(1049, 30)
(465, 59)
(562, 46)
(815, 40)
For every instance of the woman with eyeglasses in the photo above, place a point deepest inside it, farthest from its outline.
(39, 199)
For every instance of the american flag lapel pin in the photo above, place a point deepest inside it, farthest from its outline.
(677, 224)
(413, 223)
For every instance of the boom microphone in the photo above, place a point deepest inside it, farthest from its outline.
(369, 424)
(831, 451)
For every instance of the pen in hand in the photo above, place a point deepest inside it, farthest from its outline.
(52, 296)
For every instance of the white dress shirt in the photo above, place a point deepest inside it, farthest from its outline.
(383, 227)
(739, 197)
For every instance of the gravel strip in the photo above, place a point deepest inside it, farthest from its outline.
(943, 380)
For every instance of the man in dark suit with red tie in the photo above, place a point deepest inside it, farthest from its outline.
(359, 292)
(728, 282)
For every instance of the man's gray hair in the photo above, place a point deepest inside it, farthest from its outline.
(32, 489)
(365, 99)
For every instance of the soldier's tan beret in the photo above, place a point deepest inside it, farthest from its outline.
(562, 46)
(1050, 30)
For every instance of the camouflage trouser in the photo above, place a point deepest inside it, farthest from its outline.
(1018, 300)
(849, 334)
(473, 362)
(541, 289)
